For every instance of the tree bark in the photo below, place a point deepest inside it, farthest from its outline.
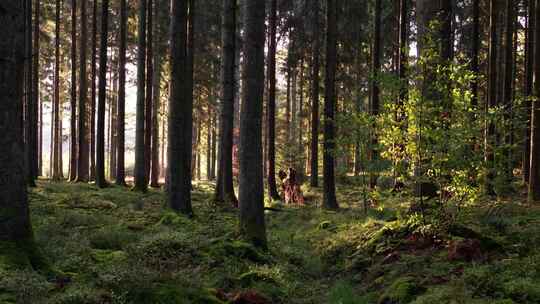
(224, 185)
(374, 109)
(14, 211)
(93, 97)
(149, 90)
(508, 95)
(329, 183)
(180, 116)
(83, 159)
(73, 120)
(251, 193)
(141, 183)
(55, 139)
(271, 106)
(158, 51)
(491, 99)
(121, 120)
(534, 175)
(528, 85)
(315, 53)
(101, 182)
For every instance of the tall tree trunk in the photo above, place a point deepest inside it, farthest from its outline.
(251, 193)
(534, 175)
(508, 95)
(329, 183)
(491, 99)
(121, 120)
(214, 145)
(55, 175)
(113, 122)
(141, 183)
(93, 97)
(189, 88)
(475, 52)
(315, 53)
(158, 53)
(271, 106)
(83, 160)
(149, 90)
(376, 67)
(36, 140)
(15, 216)
(180, 116)
(73, 121)
(208, 144)
(101, 182)
(31, 100)
(528, 85)
(225, 187)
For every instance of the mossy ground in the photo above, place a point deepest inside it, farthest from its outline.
(119, 246)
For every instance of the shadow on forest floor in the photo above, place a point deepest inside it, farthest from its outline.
(118, 246)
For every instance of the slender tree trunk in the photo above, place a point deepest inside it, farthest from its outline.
(101, 182)
(189, 88)
(149, 90)
(528, 85)
(251, 194)
(31, 100)
(376, 67)
(40, 140)
(329, 197)
(34, 142)
(491, 98)
(534, 175)
(158, 51)
(475, 52)
(225, 187)
(315, 53)
(208, 144)
(13, 196)
(114, 119)
(83, 160)
(180, 115)
(120, 158)
(329, 184)
(55, 175)
(73, 126)
(271, 106)
(508, 85)
(141, 183)
(214, 145)
(93, 97)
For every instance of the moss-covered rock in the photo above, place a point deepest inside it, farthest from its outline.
(403, 290)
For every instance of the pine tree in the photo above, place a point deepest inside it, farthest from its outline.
(251, 189)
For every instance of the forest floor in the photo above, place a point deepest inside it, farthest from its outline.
(118, 246)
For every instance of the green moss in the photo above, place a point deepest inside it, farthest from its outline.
(108, 256)
(403, 290)
(172, 294)
(239, 249)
